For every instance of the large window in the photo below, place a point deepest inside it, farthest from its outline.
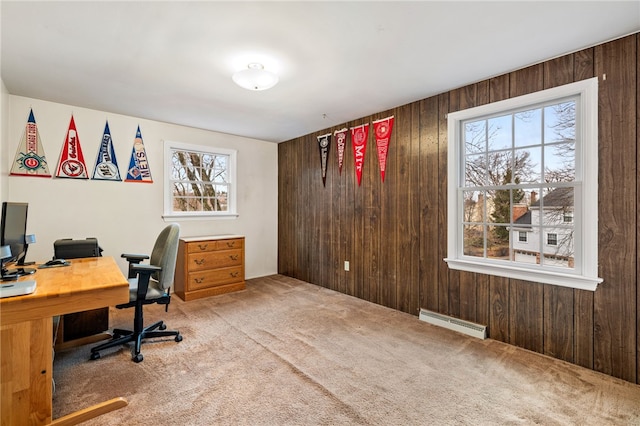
(199, 181)
(523, 185)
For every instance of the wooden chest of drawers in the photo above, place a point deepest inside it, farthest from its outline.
(207, 266)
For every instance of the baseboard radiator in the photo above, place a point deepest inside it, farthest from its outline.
(455, 324)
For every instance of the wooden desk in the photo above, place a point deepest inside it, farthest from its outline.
(26, 336)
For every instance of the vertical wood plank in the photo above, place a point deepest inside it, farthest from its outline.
(389, 198)
(443, 269)
(429, 196)
(583, 300)
(615, 312)
(558, 327)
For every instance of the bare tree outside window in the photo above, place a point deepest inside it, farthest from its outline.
(200, 181)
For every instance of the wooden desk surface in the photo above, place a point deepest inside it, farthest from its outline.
(87, 283)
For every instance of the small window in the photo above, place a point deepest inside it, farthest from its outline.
(199, 181)
(523, 185)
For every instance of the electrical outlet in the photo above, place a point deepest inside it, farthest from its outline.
(346, 265)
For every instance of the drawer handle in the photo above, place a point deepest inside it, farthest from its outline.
(233, 256)
(199, 261)
(203, 246)
(231, 243)
(234, 274)
(199, 280)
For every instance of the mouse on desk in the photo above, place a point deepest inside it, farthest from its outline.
(56, 262)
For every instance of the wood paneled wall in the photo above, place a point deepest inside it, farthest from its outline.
(394, 233)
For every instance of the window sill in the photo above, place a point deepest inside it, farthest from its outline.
(198, 216)
(539, 276)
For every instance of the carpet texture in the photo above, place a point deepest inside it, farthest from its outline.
(285, 352)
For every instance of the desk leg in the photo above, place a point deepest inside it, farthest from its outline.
(26, 374)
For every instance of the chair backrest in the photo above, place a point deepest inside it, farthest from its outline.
(165, 253)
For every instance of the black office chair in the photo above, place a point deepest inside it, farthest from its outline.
(148, 284)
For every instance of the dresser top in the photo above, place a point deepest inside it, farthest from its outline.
(211, 237)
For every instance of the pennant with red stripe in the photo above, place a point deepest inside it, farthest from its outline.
(139, 165)
(341, 142)
(30, 159)
(71, 163)
(359, 137)
(106, 164)
(382, 129)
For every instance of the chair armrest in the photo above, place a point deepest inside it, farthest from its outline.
(134, 258)
(145, 269)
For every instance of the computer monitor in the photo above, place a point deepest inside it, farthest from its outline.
(13, 229)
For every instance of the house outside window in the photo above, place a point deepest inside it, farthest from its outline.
(516, 170)
(199, 181)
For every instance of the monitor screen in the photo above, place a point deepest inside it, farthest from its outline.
(14, 228)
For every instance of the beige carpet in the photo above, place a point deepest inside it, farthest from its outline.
(285, 352)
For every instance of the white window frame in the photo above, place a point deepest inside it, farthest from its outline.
(585, 273)
(169, 214)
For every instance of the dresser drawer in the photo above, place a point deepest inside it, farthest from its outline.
(214, 260)
(202, 246)
(229, 244)
(216, 277)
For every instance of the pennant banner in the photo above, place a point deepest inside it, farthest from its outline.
(359, 137)
(382, 129)
(106, 165)
(30, 159)
(139, 166)
(341, 141)
(71, 163)
(324, 143)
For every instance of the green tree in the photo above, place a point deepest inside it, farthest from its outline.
(502, 202)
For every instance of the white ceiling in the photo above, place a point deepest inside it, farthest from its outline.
(337, 61)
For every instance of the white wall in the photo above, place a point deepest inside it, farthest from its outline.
(126, 217)
(4, 135)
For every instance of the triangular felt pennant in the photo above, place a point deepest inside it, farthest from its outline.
(382, 129)
(139, 165)
(324, 143)
(341, 142)
(71, 163)
(359, 137)
(30, 159)
(106, 164)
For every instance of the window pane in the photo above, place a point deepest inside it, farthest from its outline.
(473, 240)
(475, 137)
(500, 133)
(560, 162)
(498, 242)
(560, 122)
(528, 127)
(475, 170)
(527, 165)
(473, 206)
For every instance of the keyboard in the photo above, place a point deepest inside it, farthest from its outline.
(17, 288)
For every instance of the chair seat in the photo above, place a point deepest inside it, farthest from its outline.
(153, 291)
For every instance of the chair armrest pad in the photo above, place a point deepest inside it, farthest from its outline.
(145, 268)
(134, 257)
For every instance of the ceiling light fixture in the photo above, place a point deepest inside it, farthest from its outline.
(255, 77)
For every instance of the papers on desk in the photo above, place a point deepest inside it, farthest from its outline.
(17, 288)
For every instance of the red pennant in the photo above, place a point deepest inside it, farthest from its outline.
(71, 163)
(382, 129)
(359, 137)
(341, 142)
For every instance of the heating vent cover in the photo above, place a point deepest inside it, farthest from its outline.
(461, 326)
